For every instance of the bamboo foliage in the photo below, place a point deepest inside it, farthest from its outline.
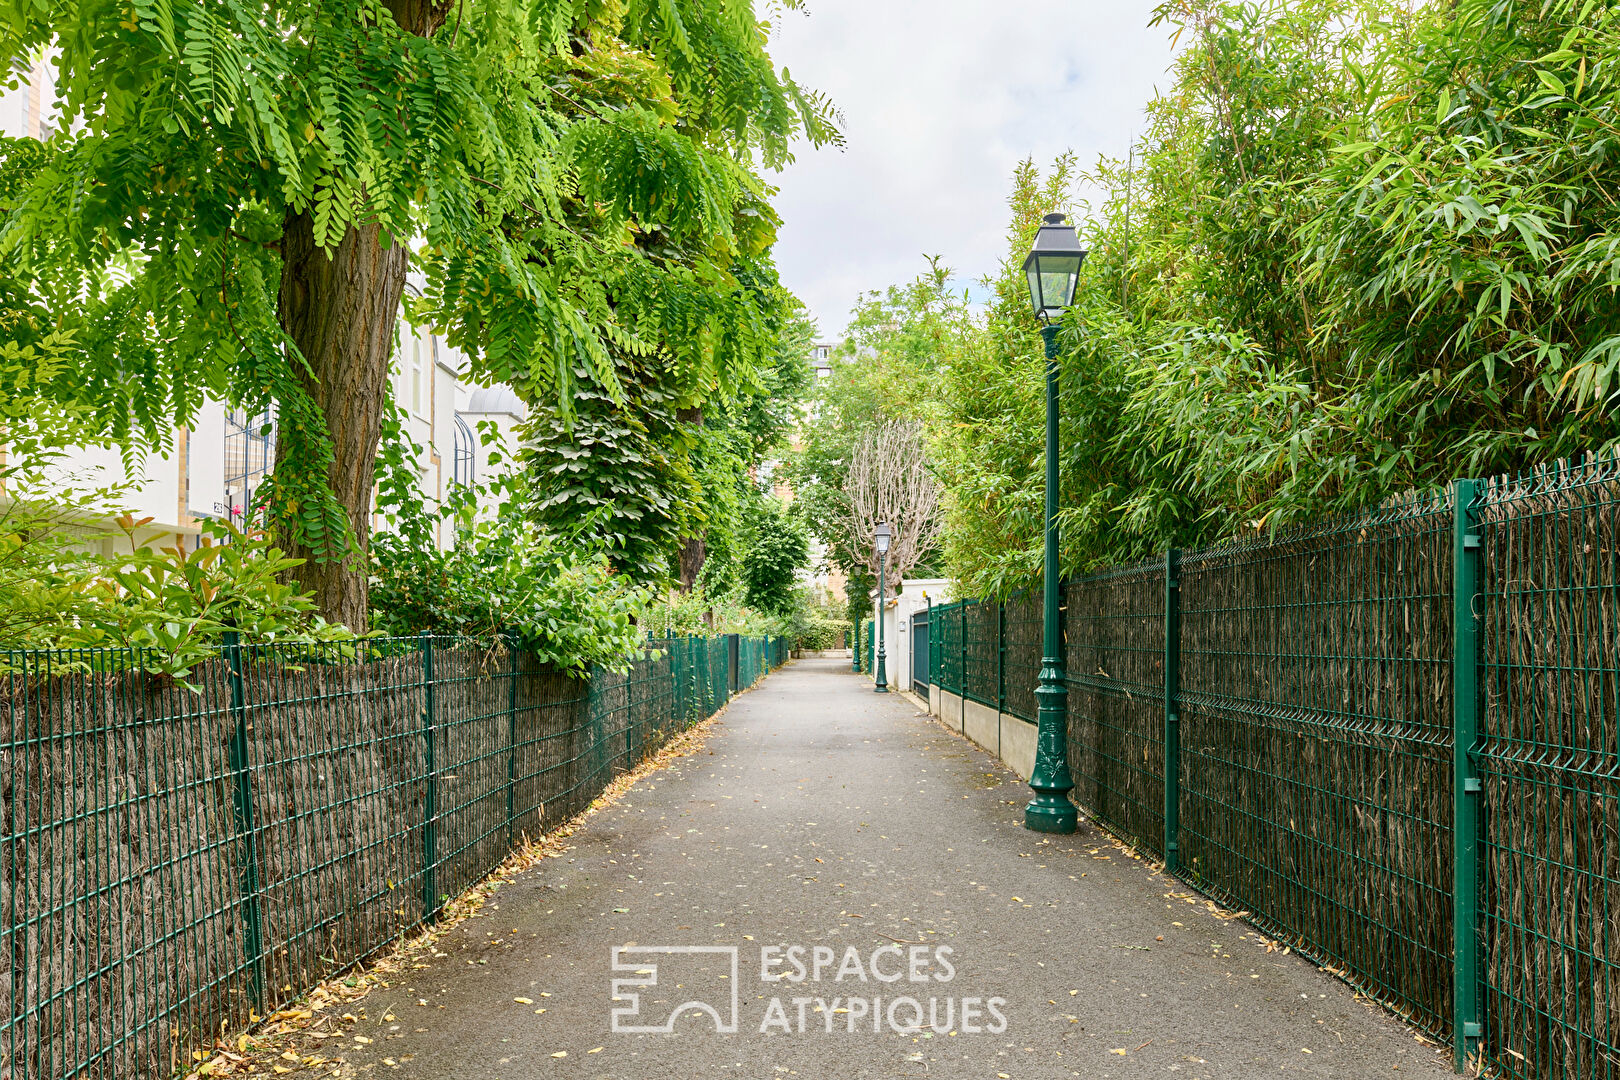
(1358, 250)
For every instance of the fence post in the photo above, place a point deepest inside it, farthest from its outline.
(630, 683)
(1001, 669)
(1172, 711)
(961, 662)
(1466, 553)
(511, 744)
(246, 830)
(430, 800)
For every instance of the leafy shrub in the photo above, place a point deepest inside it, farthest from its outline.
(710, 611)
(509, 580)
(505, 579)
(822, 633)
(170, 603)
(175, 605)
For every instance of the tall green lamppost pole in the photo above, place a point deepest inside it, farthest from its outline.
(880, 540)
(1053, 268)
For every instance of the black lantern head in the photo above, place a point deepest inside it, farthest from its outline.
(882, 537)
(1053, 267)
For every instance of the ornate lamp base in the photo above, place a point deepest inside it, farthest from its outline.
(1051, 814)
(1050, 811)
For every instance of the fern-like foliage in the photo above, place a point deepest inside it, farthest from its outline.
(578, 179)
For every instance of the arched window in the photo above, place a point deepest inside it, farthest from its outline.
(464, 467)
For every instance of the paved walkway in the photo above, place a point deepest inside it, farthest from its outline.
(823, 815)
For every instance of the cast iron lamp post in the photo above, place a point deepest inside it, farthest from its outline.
(1053, 268)
(880, 540)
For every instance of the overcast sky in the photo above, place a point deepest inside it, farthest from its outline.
(941, 99)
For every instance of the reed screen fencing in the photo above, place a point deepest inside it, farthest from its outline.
(174, 860)
(1391, 738)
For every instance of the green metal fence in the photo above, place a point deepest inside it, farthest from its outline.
(1114, 660)
(1548, 757)
(174, 860)
(948, 656)
(1019, 647)
(1394, 739)
(980, 652)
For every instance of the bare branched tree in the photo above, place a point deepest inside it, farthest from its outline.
(889, 481)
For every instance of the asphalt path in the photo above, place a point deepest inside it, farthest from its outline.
(873, 864)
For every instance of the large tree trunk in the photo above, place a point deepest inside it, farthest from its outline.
(692, 555)
(339, 307)
(694, 551)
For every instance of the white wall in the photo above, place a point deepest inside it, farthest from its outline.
(1009, 738)
(914, 595)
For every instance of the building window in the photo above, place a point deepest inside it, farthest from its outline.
(464, 466)
(416, 374)
(250, 450)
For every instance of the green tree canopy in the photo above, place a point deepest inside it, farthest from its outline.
(657, 475)
(775, 549)
(236, 191)
(888, 366)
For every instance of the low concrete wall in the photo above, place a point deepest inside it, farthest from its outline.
(979, 724)
(1018, 745)
(1009, 738)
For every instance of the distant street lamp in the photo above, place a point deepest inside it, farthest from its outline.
(880, 540)
(1053, 269)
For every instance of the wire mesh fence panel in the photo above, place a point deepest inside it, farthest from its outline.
(472, 760)
(1549, 757)
(548, 725)
(337, 748)
(1114, 645)
(175, 858)
(751, 655)
(948, 664)
(120, 886)
(1316, 743)
(719, 675)
(1021, 626)
(981, 668)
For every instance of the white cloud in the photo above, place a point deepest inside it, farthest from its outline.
(942, 98)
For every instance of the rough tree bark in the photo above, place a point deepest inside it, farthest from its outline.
(339, 307)
(692, 555)
(694, 551)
